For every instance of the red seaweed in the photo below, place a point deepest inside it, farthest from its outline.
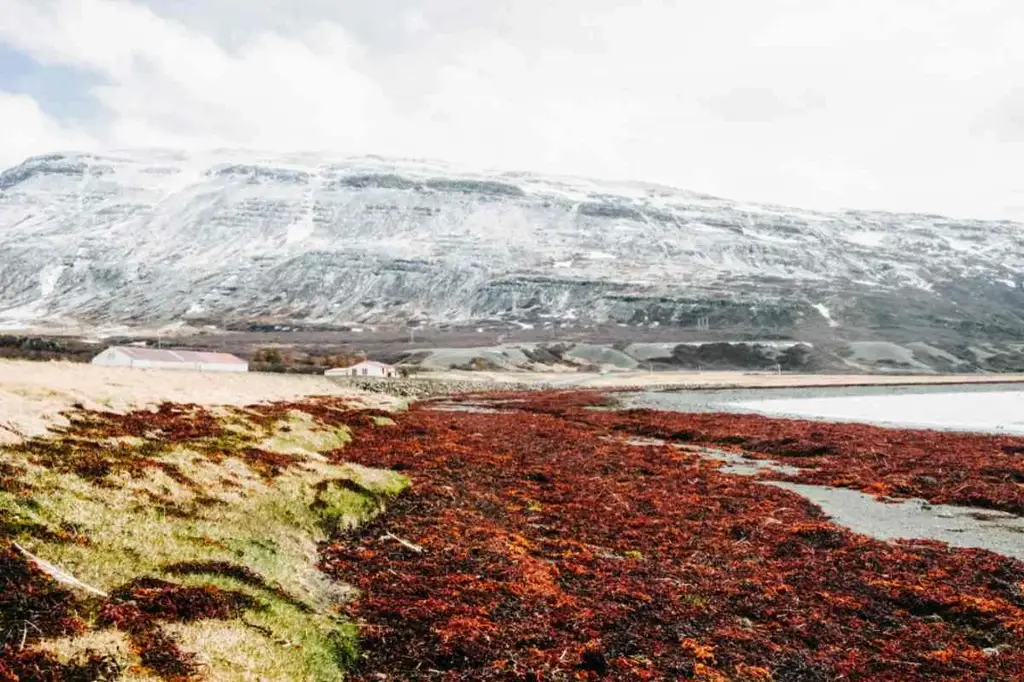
(938, 466)
(33, 605)
(26, 665)
(533, 546)
(138, 608)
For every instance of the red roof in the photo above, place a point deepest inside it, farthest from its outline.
(175, 355)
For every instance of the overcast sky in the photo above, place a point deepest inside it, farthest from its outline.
(898, 104)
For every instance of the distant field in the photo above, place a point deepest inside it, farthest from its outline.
(32, 394)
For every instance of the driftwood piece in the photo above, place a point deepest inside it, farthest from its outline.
(61, 576)
(404, 543)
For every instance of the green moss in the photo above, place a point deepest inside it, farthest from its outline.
(342, 507)
(299, 434)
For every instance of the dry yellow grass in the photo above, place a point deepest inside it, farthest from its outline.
(206, 505)
(33, 394)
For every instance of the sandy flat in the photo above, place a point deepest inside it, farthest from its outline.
(719, 379)
(33, 394)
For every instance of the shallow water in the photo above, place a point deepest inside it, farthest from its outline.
(912, 519)
(474, 408)
(735, 463)
(997, 532)
(990, 412)
(992, 408)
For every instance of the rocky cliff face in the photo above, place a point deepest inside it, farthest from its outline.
(152, 237)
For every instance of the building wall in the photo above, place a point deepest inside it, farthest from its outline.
(113, 358)
(189, 366)
(360, 371)
(371, 371)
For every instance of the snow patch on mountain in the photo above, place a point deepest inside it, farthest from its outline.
(826, 313)
(150, 237)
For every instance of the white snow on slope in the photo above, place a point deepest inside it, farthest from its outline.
(826, 313)
(143, 235)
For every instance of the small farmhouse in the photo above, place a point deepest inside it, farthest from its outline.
(167, 358)
(368, 368)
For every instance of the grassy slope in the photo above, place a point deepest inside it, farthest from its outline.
(237, 500)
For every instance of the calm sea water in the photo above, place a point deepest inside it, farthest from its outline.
(993, 408)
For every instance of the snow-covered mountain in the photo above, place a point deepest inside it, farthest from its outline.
(154, 237)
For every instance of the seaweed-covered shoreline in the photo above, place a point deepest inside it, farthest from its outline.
(505, 536)
(540, 544)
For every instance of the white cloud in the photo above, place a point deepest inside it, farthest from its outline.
(909, 105)
(26, 130)
(168, 85)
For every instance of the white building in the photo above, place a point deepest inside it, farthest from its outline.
(368, 368)
(167, 358)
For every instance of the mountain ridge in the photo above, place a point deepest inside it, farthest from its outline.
(150, 237)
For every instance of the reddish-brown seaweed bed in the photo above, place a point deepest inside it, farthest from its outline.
(938, 466)
(535, 546)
